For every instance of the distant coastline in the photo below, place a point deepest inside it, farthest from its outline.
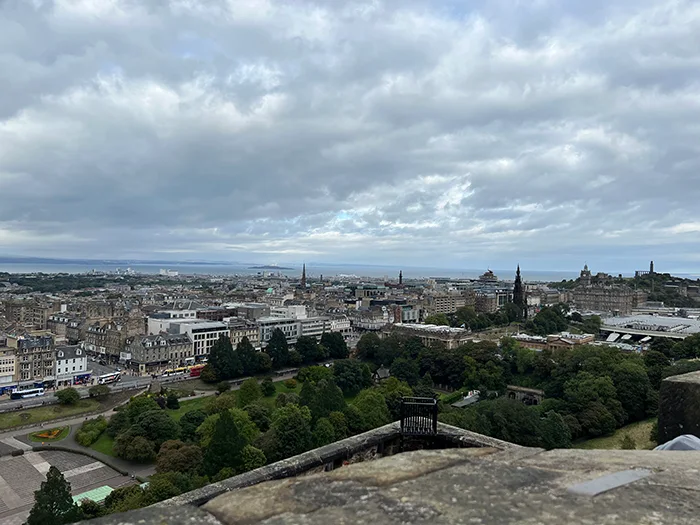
(269, 267)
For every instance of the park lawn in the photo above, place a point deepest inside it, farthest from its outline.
(104, 444)
(638, 431)
(64, 431)
(46, 413)
(188, 406)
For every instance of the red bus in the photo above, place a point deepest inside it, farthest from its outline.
(196, 370)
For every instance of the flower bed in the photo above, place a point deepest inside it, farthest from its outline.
(51, 434)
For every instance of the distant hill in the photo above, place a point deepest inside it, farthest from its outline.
(269, 267)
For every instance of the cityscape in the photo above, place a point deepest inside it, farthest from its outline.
(275, 262)
(67, 339)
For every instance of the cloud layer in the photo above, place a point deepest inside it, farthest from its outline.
(545, 132)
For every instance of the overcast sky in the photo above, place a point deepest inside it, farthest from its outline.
(426, 133)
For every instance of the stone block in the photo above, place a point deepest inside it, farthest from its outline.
(679, 406)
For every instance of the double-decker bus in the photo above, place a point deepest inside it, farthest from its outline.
(29, 392)
(196, 370)
(109, 378)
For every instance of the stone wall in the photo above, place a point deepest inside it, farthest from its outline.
(679, 406)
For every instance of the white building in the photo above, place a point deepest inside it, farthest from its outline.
(290, 327)
(203, 334)
(314, 326)
(71, 365)
(160, 321)
(340, 324)
(295, 311)
(8, 367)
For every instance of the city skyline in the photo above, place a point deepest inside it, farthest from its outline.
(404, 134)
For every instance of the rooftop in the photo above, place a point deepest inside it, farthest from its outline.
(432, 328)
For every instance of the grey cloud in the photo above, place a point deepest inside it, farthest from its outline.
(373, 131)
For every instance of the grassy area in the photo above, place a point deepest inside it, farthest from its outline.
(104, 444)
(62, 432)
(46, 413)
(638, 431)
(188, 406)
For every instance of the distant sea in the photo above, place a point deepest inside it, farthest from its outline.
(313, 270)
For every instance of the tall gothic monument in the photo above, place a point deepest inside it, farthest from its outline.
(519, 295)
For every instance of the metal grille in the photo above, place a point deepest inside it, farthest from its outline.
(419, 416)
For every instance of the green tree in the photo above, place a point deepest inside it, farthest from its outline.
(134, 448)
(372, 406)
(156, 426)
(393, 391)
(259, 414)
(322, 398)
(91, 509)
(340, 425)
(294, 358)
(245, 425)
(324, 433)
(173, 403)
(249, 392)
(226, 446)
(405, 370)
(177, 456)
(263, 362)
(313, 374)
(247, 354)
(351, 376)
(336, 345)
(632, 384)
(124, 498)
(221, 402)
(628, 443)
(284, 399)
(267, 387)
(189, 424)
(655, 362)
(208, 374)
(438, 319)
(68, 396)
(224, 361)
(290, 432)
(99, 391)
(307, 346)
(368, 346)
(554, 432)
(252, 458)
(353, 418)
(424, 388)
(53, 503)
(277, 348)
(223, 386)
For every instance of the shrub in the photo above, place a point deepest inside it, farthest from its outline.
(291, 384)
(223, 386)
(90, 431)
(172, 402)
(268, 389)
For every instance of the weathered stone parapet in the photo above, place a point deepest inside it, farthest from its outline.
(380, 442)
(679, 406)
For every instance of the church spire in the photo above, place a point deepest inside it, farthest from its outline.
(303, 276)
(400, 277)
(519, 294)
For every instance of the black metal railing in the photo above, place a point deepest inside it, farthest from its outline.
(419, 416)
